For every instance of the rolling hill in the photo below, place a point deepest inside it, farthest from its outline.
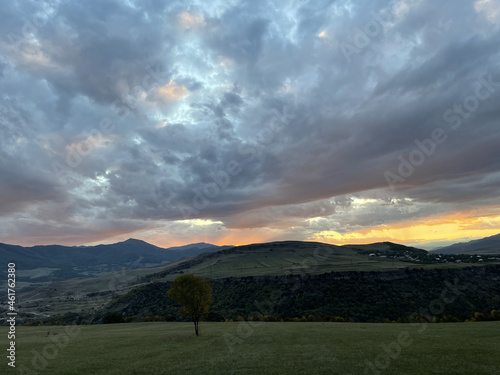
(296, 257)
(277, 258)
(286, 258)
(488, 245)
(41, 264)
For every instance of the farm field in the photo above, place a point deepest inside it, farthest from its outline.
(264, 348)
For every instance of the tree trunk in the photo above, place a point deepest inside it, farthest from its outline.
(196, 327)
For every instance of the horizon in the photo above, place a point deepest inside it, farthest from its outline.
(242, 122)
(244, 244)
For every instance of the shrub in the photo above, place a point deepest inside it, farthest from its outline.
(129, 319)
(170, 318)
(112, 317)
(214, 317)
(255, 318)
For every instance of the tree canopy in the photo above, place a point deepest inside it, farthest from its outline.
(194, 294)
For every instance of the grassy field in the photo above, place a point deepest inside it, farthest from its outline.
(267, 348)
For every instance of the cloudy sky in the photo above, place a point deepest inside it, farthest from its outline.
(248, 121)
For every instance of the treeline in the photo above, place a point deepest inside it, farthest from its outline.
(352, 296)
(118, 317)
(439, 295)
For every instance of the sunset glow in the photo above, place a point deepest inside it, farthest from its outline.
(422, 232)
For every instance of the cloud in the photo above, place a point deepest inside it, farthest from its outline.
(489, 9)
(143, 115)
(188, 21)
(172, 91)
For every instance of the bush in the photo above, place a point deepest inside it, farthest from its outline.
(269, 318)
(214, 317)
(155, 318)
(255, 318)
(129, 319)
(112, 317)
(480, 317)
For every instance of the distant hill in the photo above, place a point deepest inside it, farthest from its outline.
(55, 262)
(389, 248)
(294, 257)
(488, 245)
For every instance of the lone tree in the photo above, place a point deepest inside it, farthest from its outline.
(194, 294)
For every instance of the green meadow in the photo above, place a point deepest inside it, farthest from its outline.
(257, 348)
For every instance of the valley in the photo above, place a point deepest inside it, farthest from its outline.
(91, 295)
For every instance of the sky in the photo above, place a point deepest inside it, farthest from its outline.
(235, 122)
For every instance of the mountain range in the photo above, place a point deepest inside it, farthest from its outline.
(55, 262)
(59, 279)
(49, 263)
(488, 245)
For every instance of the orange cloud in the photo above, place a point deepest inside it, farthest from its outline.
(444, 228)
(172, 91)
(187, 20)
(454, 227)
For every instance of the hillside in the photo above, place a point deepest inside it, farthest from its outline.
(296, 257)
(488, 245)
(389, 248)
(43, 264)
(83, 295)
(356, 296)
(279, 258)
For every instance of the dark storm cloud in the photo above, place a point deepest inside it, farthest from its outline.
(193, 91)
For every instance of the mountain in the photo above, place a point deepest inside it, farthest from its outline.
(488, 245)
(55, 262)
(196, 248)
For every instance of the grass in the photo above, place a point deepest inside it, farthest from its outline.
(269, 348)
